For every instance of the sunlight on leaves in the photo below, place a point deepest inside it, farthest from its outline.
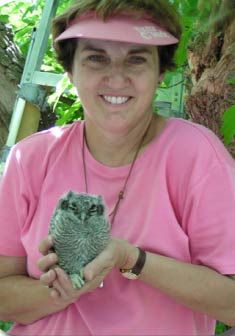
(228, 125)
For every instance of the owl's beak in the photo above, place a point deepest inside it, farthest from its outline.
(83, 216)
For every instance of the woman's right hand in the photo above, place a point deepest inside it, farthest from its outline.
(48, 262)
(62, 290)
(53, 276)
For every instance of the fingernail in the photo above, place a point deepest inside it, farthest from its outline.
(52, 257)
(60, 272)
(50, 239)
(54, 294)
(57, 270)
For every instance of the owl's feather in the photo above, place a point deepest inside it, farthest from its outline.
(80, 232)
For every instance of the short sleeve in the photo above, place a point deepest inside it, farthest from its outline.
(14, 205)
(209, 217)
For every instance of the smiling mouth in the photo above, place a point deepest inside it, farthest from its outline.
(116, 100)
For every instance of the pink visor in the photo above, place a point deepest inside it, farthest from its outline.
(121, 28)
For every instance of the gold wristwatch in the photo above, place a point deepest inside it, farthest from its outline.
(134, 273)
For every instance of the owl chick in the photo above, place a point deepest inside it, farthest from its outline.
(80, 232)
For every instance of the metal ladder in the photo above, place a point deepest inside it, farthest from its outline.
(33, 80)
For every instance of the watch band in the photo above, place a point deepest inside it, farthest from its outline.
(134, 273)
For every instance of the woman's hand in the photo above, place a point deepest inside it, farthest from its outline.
(118, 253)
(53, 276)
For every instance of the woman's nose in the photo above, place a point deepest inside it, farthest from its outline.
(116, 75)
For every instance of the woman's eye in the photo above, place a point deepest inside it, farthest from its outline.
(136, 60)
(100, 59)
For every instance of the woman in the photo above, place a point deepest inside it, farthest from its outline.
(169, 187)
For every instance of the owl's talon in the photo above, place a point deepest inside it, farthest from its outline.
(77, 281)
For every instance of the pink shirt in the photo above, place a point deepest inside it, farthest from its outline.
(179, 203)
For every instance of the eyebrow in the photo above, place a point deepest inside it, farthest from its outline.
(139, 50)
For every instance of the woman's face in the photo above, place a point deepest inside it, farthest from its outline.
(116, 82)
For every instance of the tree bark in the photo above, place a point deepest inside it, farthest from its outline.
(212, 64)
(11, 68)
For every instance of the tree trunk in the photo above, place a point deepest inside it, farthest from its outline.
(212, 64)
(11, 68)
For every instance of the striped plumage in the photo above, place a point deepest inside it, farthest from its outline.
(80, 231)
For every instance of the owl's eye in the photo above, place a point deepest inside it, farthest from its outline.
(73, 206)
(93, 209)
(64, 205)
(96, 209)
(100, 209)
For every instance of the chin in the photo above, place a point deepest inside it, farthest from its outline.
(118, 126)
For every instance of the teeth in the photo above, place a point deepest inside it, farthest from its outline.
(116, 100)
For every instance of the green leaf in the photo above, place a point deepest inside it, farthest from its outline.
(167, 79)
(60, 88)
(31, 9)
(221, 328)
(5, 326)
(181, 53)
(4, 18)
(21, 33)
(231, 81)
(228, 125)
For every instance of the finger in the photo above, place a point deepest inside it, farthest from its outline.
(60, 290)
(45, 245)
(55, 294)
(47, 262)
(93, 284)
(66, 283)
(48, 278)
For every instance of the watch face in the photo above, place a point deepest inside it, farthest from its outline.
(130, 275)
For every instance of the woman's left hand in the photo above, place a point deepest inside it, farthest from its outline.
(119, 253)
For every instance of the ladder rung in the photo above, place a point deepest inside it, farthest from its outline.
(46, 78)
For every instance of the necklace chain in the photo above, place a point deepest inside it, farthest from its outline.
(122, 192)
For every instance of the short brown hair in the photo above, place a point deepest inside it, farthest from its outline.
(160, 10)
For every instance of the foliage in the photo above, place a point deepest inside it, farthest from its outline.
(221, 328)
(68, 108)
(228, 121)
(228, 125)
(194, 15)
(68, 113)
(5, 326)
(196, 18)
(23, 17)
(231, 81)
